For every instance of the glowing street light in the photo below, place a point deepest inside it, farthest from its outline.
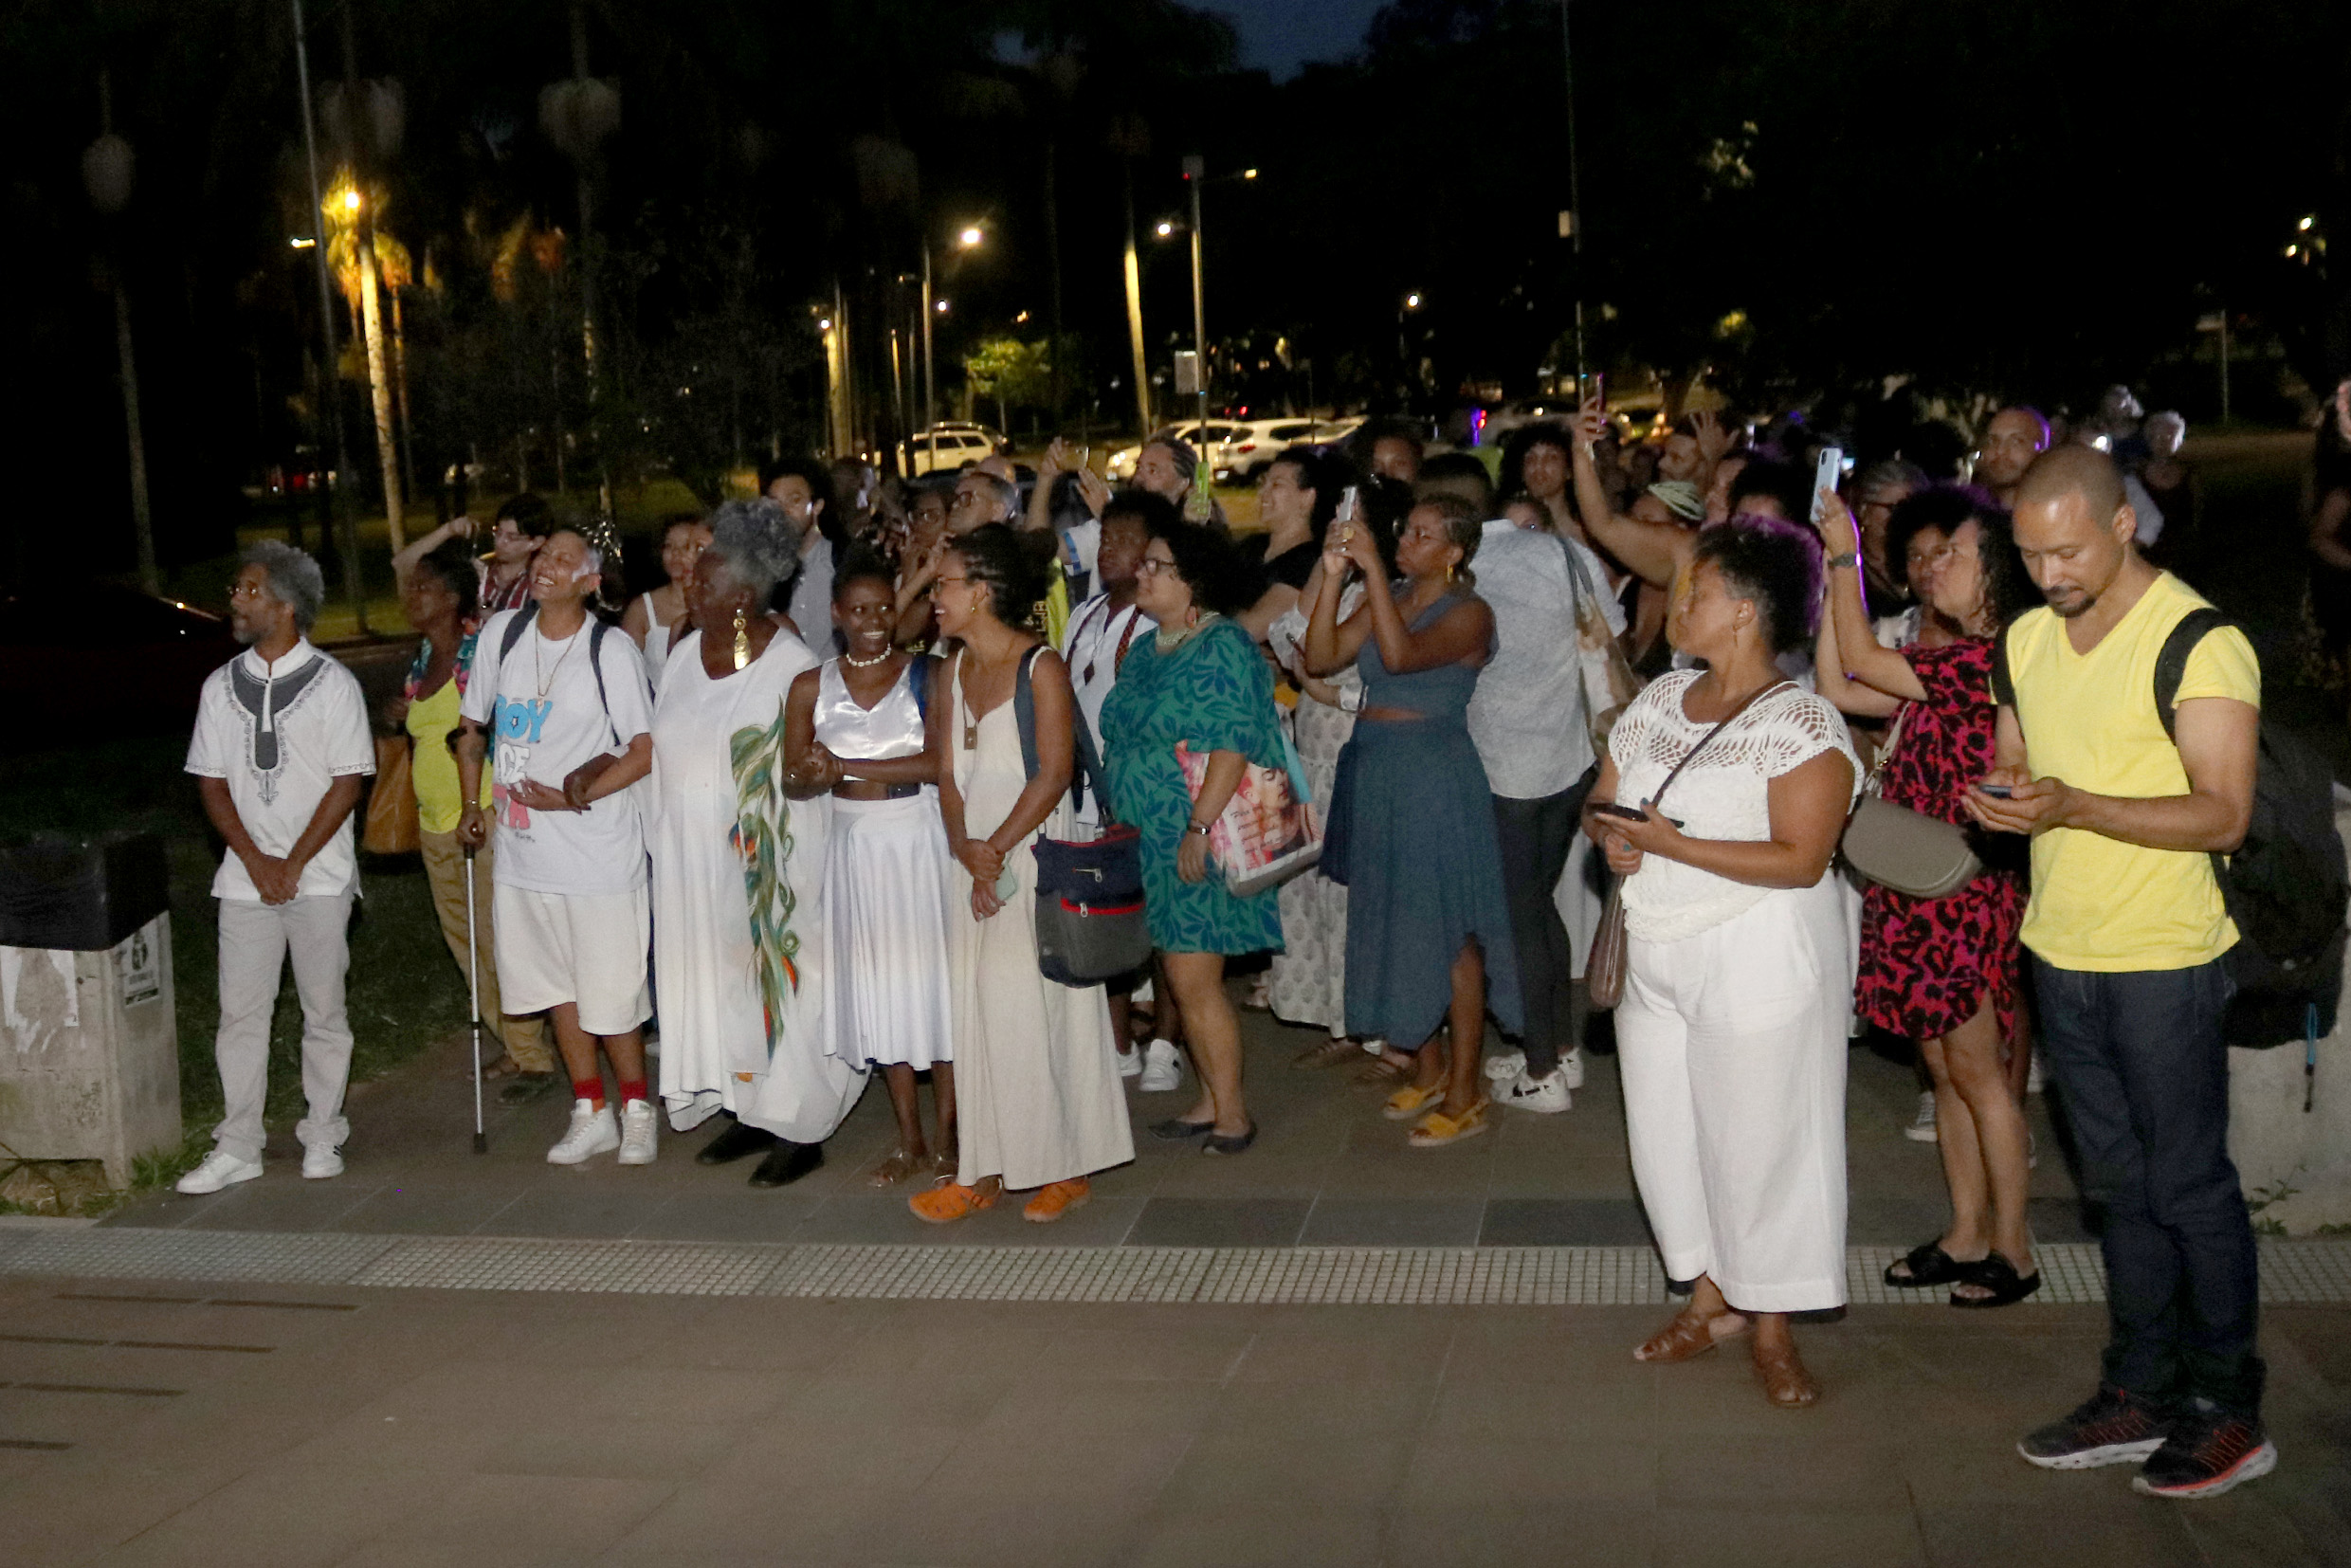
(1165, 228)
(969, 237)
(1411, 301)
(2306, 224)
(939, 305)
(350, 200)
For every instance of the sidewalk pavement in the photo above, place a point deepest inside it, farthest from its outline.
(1328, 1171)
(278, 1427)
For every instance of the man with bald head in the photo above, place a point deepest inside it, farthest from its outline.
(2015, 436)
(2127, 933)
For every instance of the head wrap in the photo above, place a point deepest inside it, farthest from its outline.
(1681, 497)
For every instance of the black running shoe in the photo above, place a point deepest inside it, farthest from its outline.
(2111, 1429)
(2209, 1451)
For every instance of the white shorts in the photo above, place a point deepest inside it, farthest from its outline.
(587, 948)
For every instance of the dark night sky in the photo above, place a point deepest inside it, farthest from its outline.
(1282, 35)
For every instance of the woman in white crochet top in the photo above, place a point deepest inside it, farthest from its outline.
(1731, 1034)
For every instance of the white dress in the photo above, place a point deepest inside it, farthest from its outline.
(886, 888)
(720, 1049)
(1037, 1092)
(1309, 982)
(1731, 1035)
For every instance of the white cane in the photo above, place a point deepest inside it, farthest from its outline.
(473, 990)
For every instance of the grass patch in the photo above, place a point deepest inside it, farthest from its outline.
(403, 991)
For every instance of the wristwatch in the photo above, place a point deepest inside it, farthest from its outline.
(1850, 557)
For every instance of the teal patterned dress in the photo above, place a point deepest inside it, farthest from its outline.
(1214, 694)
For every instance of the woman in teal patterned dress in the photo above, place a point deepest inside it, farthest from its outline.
(1199, 681)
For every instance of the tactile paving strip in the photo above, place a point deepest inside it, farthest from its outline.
(2292, 1271)
(105, 1253)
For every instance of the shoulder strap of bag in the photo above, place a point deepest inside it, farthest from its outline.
(1707, 740)
(2170, 661)
(1886, 753)
(514, 632)
(1087, 774)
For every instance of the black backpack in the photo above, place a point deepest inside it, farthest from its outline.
(2285, 886)
(598, 629)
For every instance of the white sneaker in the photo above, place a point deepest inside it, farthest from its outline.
(1130, 1062)
(640, 1132)
(220, 1169)
(1572, 1063)
(1163, 1067)
(2036, 1077)
(1505, 1064)
(1922, 1126)
(592, 1132)
(1547, 1094)
(322, 1161)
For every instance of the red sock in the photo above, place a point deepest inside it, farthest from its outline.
(635, 1088)
(589, 1089)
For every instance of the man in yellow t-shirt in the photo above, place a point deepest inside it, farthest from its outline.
(2127, 933)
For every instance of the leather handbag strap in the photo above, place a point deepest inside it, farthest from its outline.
(1707, 740)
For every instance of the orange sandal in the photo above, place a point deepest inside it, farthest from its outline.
(1055, 1199)
(1407, 1103)
(951, 1201)
(1687, 1338)
(1437, 1129)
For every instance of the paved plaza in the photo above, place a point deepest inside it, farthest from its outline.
(482, 1359)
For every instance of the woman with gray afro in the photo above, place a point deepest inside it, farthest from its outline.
(738, 914)
(759, 541)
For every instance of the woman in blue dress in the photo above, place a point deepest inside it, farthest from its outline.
(1412, 818)
(1200, 682)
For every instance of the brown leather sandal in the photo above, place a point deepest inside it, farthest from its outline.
(1686, 1339)
(1786, 1383)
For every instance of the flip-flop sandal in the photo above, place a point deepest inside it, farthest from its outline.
(1437, 1129)
(1929, 1264)
(1408, 1103)
(1379, 1071)
(1999, 1276)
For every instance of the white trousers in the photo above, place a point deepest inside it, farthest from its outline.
(1732, 1044)
(256, 939)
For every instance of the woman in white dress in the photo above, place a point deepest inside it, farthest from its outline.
(1737, 977)
(658, 618)
(740, 941)
(854, 727)
(1038, 1100)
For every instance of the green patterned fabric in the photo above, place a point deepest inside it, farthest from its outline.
(1212, 694)
(762, 836)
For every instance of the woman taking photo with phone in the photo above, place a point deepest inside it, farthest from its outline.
(1945, 971)
(1721, 803)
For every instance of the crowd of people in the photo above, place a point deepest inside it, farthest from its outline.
(804, 785)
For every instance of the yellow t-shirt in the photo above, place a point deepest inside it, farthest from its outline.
(438, 802)
(2099, 904)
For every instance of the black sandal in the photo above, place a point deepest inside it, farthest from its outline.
(1999, 1276)
(1928, 1264)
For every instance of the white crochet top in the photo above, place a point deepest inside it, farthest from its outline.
(1724, 794)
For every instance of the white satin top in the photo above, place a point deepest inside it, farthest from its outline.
(892, 728)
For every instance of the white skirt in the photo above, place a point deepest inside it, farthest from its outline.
(1731, 1045)
(885, 896)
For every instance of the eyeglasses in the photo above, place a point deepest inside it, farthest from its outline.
(1151, 566)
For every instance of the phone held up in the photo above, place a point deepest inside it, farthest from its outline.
(1825, 477)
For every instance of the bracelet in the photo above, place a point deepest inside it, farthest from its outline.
(1199, 827)
(1850, 559)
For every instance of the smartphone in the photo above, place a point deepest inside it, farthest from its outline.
(1346, 504)
(1825, 477)
(1609, 808)
(1997, 792)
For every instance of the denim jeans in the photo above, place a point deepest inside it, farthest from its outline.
(2143, 1074)
(1536, 837)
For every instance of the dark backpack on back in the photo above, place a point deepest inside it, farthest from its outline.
(2285, 886)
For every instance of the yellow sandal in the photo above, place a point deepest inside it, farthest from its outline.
(1410, 1100)
(1437, 1129)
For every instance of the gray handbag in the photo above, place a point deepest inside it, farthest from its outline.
(1907, 850)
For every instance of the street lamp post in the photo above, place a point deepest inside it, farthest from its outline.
(106, 168)
(969, 236)
(1196, 169)
(331, 392)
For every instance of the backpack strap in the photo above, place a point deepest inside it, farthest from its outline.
(597, 627)
(1025, 712)
(2171, 663)
(513, 636)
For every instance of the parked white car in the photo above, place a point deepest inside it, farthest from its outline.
(1121, 464)
(950, 446)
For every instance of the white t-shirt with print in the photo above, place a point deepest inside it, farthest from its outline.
(279, 735)
(545, 718)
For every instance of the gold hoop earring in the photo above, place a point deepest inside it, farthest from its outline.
(743, 639)
(1448, 573)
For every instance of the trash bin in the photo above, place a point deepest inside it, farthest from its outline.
(89, 1048)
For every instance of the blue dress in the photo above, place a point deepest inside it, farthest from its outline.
(1413, 830)
(1212, 694)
